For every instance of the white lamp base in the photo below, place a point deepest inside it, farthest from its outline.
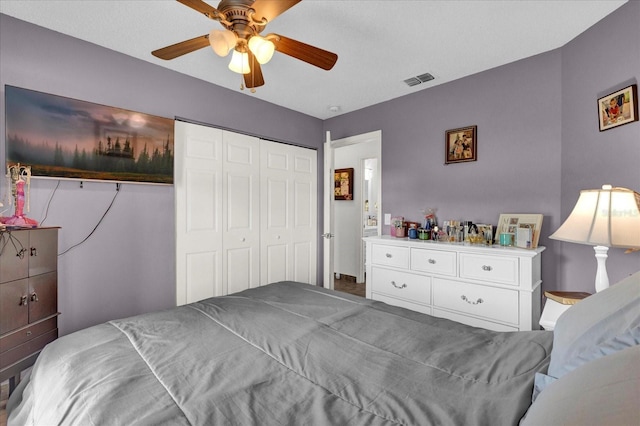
(602, 278)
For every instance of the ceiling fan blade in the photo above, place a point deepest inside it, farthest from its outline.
(179, 49)
(202, 7)
(254, 78)
(270, 9)
(307, 53)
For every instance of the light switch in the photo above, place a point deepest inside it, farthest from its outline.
(387, 218)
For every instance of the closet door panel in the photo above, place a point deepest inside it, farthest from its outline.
(276, 227)
(305, 214)
(203, 270)
(198, 189)
(276, 263)
(289, 213)
(241, 195)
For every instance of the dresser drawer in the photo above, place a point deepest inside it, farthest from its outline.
(474, 322)
(494, 269)
(28, 348)
(492, 303)
(434, 261)
(402, 303)
(25, 334)
(401, 284)
(390, 256)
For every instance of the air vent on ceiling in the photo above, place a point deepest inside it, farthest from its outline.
(422, 78)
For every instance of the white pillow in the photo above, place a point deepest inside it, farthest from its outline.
(605, 391)
(603, 323)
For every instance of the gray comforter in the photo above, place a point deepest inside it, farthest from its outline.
(283, 354)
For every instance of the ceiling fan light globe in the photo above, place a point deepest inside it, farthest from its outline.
(222, 41)
(262, 49)
(239, 62)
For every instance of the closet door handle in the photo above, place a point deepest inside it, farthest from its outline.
(33, 251)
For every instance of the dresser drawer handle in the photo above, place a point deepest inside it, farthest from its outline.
(487, 268)
(471, 302)
(393, 283)
(389, 255)
(432, 261)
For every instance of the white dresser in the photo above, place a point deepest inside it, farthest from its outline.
(495, 287)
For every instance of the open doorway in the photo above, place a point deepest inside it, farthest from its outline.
(357, 216)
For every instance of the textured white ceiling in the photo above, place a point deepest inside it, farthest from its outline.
(379, 43)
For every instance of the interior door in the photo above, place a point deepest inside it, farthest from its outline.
(374, 150)
(328, 214)
(198, 193)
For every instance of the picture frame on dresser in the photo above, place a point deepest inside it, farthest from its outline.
(508, 223)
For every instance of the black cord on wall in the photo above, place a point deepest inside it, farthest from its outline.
(46, 212)
(97, 225)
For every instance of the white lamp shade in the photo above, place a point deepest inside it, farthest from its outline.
(607, 217)
(222, 41)
(262, 49)
(239, 62)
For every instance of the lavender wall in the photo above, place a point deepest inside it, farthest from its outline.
(538, 143)
(128, 265)
(517, 110)
(601, 61)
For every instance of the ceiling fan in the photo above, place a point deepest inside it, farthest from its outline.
(243, 21)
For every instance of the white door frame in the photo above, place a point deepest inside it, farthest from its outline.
(329, 147)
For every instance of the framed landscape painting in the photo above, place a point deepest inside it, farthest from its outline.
(64, 138)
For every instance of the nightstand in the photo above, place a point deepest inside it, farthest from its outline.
(557, 303)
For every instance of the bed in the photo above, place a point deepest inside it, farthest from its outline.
(293, 354)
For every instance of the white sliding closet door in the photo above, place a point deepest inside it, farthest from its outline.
(246, 212)
(198, 192)
(289, 197)
(241, 217)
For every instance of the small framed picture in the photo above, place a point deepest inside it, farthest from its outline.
(522, 225)
(618, 108)
(461, 145)
(343, 184)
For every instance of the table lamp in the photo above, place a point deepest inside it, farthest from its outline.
(603, 218)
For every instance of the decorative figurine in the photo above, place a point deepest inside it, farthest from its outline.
(18, 177)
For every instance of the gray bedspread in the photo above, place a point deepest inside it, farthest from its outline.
(283, 354)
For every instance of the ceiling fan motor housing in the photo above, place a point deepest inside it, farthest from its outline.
(237, 12)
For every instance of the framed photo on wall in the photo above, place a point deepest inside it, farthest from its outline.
(461, 145)
(618, 108)
(343, 184)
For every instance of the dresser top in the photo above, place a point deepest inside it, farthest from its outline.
(495, 249)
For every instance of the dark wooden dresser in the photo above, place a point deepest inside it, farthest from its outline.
(28, 297)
